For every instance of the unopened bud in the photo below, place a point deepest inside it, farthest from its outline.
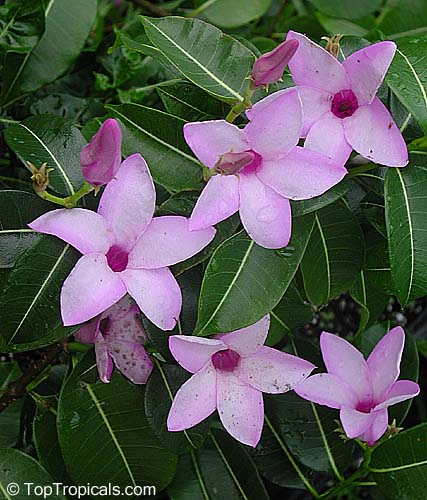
(231, 163)
(101, 158)
(40, 177)
(270, 66)
(333, 44)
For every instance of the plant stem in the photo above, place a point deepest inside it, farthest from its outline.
(69, 201)
(236, 110)
(360, 170)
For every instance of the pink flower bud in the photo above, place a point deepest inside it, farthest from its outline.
(231, 163)
(101, 158)
(269, 67)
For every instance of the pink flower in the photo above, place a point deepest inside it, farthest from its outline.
(260, 183)
(101, 158)
(124, 250)
(269, 67)
(231, 372)
(361, 390)
(341, 110)
(119, 337)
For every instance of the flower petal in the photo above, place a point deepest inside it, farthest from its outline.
(249, 339)
(128, 201)
(88, 332)
(328, 390)
(377, 429)
(273, 371)
(400, 391)
(373, 133)
(355, 422)
(366, 69)
(90, 289)
(192, 352)
(103, 359)
(301, 174)
(240, 408)
(275, 129)
(100, 159)
(131, 359)
(166, 241)
(347, 363)
(315, 103)
(157, 294)
(211, 139)
(194, 401)
(384, 362)
(218, 201)
(313, 66)
(327, 136)
(125, 322)
(85, 230)
(265, 215)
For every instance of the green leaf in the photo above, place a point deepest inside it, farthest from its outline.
(407, 77)
(406, 209)
(221, 469)
(21, 25)
(238, 12)
(10, 418)
(68, 25)
(161, 388)
(404, 18)
(399, 465)
(244, 281)
(17, 467)
(54, 140)
(104, 435)
(159, 137)
(307, 206)
(217, 63)
(190, 103)
(334, 255)
(409, 366)
(347, 9)
(29, 301)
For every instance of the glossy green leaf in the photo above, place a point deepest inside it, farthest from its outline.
(54, 140)
(404, 18)
(10, 418)
(217, 63)
(238, 12)
(407, 77)
(406, 210)
(409, 366)
(190, 102)
(19, 468)
(244, 281)
(161, 388)
(21, 25)
(29, 301)
(346, 9)
(159, 137)
(221, 469)
(399, 465)
(68, 25)
(104, 435)
(334, 256)
(307, 206)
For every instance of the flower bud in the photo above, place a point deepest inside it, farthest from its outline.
(40, 177)
(101, 158)
(231, 163)
(270, 66)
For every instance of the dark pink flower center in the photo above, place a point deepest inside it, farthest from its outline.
(254, 165)
(232, 163)
(117, 258)
(344, 104)
(365, 406)
(226, 361)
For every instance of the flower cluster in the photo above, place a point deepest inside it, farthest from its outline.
(256, 170)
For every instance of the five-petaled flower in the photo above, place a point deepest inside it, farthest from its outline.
(124, 250)
(101, 158)
(260, 183)
(341, 110)
(119, 339)
(361, 389)
(231, 372)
